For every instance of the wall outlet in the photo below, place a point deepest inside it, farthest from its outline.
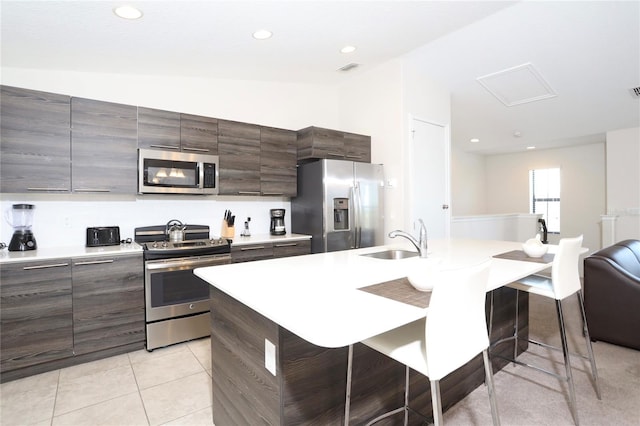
(270, 356)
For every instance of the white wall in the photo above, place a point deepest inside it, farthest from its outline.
(623, 182)
(582, 195)
(468, 186)
(380, 102)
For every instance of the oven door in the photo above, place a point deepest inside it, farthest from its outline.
(172, 290)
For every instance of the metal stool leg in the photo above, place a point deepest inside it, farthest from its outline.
(592, 359)
(516, 326)
(347, 402)
(488, 370)
(567, 363)
(436, 403)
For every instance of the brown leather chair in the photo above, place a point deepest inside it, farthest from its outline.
(612, 294)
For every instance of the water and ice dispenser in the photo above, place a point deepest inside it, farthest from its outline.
(340, 214)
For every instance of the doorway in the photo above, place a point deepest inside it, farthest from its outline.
(430, 178)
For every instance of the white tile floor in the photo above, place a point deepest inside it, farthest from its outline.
(169, 386)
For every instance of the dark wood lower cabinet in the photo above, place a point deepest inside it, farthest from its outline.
(310, 381)
(108, 303)
(36, 316)
(62, 312)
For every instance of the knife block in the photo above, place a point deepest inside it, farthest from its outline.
(227, 231)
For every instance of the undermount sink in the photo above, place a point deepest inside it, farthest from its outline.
(391, 254)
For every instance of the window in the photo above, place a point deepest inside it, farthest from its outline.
(544, 188)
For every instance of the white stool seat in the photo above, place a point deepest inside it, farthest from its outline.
(536, 284)
(452, 334)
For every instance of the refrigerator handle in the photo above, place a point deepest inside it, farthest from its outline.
(357, 205)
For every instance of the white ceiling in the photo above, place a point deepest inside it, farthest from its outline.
(588, 52)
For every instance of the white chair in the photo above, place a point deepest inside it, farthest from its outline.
(564, 281)
(452, 334)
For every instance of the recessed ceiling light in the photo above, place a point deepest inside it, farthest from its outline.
(531, 147)
(348, 49)
(262, 34)
(474, 140)
(128, 12)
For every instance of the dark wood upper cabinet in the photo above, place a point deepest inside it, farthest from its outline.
(278, 158)
(103, 147)
(199, 134)
(318, 143)
(35, 313)
(357, 147)
(158, 129)
(35, 139)
(239, 151)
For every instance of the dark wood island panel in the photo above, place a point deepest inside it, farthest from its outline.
(310, 381)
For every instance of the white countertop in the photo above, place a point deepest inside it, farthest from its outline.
(50, 253)
(316, 296)
(267, 238)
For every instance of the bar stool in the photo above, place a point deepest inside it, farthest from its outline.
(452, 334)
(564, 282)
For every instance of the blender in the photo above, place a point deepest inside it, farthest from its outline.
(21, 218)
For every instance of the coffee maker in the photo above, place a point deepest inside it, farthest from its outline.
(277, 222)
(21, 218)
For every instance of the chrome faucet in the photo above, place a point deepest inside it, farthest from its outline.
(421, 244)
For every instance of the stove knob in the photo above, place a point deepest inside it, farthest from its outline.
(155, 244)
(220, 240)
(165, 244)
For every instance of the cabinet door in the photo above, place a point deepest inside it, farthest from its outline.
(316, 142)
(103, 147)
(108, 302)
(35, 140)
(239, 151)
(35, 313)
(357, 147)
(158, 129)
(199, 134)
(251, 252)
(291, 248)
(278, 158)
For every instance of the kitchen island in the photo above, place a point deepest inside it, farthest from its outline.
(281, 329)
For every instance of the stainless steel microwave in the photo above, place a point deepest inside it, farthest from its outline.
(169, 172)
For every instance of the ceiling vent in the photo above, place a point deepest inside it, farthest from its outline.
(517, 85)
(635, 92)
(349, 67)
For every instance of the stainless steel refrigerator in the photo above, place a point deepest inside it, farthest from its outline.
(340, 204)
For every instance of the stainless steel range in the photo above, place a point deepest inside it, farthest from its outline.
(177, 302)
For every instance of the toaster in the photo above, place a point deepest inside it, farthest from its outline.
(103, 236)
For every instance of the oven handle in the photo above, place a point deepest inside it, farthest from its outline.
(188, 262)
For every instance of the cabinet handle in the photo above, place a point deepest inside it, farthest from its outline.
(248, 192)
(48, 189)
(196, 149)
(273, 193)
(53, 265)
(335, 154)
(93, 262)
(91, 190)
(287, 245)
(355, 157)
(251, 248)
(164, 146)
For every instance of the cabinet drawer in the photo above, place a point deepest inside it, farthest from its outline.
(248, 253)
(291, 248)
